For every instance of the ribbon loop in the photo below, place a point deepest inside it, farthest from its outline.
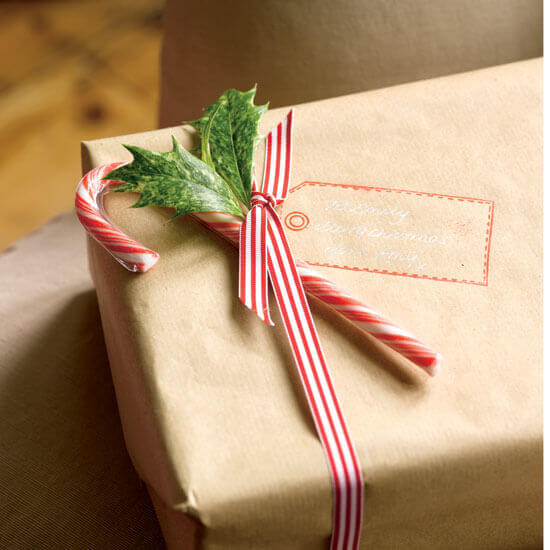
(253, 259)
(254, 255)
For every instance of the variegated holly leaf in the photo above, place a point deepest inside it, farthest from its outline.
(229, 137)
(175, 179)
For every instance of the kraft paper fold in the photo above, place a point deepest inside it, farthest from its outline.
(212, 409)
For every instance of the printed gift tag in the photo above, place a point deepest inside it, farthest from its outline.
(391, 231)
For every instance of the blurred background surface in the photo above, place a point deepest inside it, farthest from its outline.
(78, 70)
(69, 70)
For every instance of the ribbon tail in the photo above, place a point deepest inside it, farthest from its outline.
(253, 291)
(342, 458)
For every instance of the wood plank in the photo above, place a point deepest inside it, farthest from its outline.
(70, 71)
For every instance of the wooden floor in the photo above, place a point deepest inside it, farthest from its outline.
(69, 70)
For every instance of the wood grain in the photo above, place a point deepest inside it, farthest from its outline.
(68, 71)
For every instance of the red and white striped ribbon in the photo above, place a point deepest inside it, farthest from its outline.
(263, 243)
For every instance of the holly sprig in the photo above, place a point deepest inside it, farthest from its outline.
(220, 181)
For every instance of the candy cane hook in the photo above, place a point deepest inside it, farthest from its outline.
(89, 209)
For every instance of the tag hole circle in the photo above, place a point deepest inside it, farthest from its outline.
(296, 221)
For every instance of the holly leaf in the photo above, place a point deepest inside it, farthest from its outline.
(229, 137)
(175, 179)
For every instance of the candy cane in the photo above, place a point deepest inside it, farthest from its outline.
(135, 257)
(89, 209)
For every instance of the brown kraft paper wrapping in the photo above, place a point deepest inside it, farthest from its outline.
(212, 408)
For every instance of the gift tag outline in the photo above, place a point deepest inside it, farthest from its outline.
(296, 220)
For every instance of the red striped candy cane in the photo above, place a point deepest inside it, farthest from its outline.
(369, 320)
(135, 257)
(263, 243)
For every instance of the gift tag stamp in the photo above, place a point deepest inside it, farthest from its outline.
(391, 231)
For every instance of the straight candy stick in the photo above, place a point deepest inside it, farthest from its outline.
(369, 320)
(353, 309)
(135, 257)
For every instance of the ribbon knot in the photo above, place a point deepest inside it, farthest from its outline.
(263, 199)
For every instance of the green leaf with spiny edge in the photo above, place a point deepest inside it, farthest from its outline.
(229, 137)
(175, 179)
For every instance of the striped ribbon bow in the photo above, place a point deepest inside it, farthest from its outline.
(264, 250)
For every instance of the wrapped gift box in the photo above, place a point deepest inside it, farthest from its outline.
(433, 217)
